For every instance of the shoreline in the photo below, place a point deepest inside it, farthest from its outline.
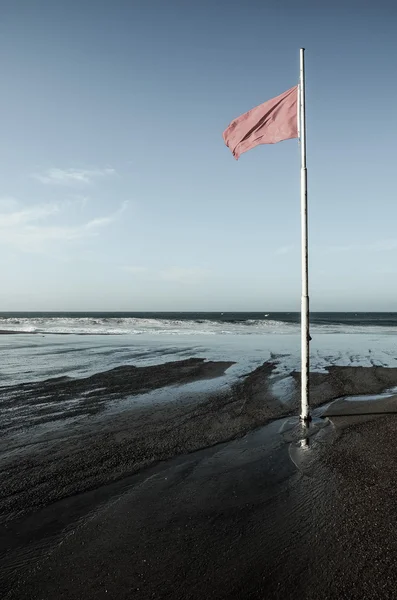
(15, 332)
(21, 332)
(97, 448)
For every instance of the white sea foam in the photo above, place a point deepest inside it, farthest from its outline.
(137, 326)
(175, 327)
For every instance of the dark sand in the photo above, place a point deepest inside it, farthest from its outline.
(14, 332)
(256, 516)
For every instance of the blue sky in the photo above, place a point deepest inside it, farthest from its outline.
(117, 192)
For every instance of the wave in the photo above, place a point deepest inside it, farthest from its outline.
(137, 326)
(163, 326)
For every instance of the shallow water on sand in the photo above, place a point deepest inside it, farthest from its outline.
(29, 358)
(36, 357)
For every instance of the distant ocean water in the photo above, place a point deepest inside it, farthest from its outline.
(193, 323)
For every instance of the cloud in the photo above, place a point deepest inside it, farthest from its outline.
(72, 176)
(27, 229)
(184, 275)
(132, 269)
(378, 246)
(342, 249)
(27, 215)
(387, 270)
(283, 250)
(8, 203)
(384, 245)
(79, 199)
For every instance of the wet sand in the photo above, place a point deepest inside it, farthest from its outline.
(14, 332)
(245, 514)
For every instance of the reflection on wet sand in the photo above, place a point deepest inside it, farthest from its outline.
(258, 511)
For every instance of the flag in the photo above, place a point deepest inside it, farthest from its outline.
(271, 122)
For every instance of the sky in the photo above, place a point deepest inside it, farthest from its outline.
(118, 193)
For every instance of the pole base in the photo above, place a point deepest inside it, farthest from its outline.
(305, 418)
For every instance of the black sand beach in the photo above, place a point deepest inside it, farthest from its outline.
(216, 498)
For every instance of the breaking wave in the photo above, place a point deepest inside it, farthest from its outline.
(224, 325)
(139, 326)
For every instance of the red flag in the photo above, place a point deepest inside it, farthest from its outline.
(271, 122)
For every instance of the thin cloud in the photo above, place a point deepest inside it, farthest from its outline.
(283, 250)
(378, 246)
(27, 229)
(384, 245)
(133, 269)
(72, 176)
(27, 215)
(184, 275)
(342, 249)
(391, 270)
(80, 200)
(8, 203)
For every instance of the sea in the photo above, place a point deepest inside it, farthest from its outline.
(53, 345)
(79, 344)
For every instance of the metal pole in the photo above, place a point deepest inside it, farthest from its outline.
(305, 414)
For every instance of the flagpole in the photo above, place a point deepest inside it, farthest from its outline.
(305, 413)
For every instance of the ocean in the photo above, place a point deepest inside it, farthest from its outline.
(193, 323)
(80, 344)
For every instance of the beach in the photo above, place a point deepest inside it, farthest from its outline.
(198, 320)
(193, 478)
